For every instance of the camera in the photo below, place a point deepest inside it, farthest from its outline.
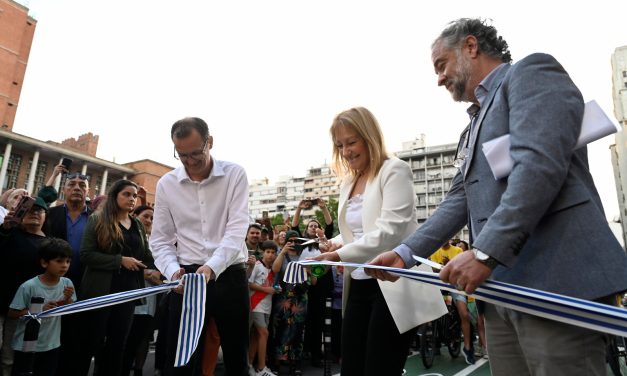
(23, 207)
(313, 202)
(299, 248)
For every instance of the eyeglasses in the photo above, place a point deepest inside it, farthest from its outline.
(291, 240)
(197, 155)
(76, 175)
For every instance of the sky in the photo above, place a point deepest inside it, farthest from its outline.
(269, 76)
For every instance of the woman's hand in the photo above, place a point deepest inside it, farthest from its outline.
(131, 263)
(325, 244)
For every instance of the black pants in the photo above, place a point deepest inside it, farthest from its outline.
(105, 329)
(44, 364)
(137, 343)
(228, 303)
(314, 325)
(371, 342)
(70, 344)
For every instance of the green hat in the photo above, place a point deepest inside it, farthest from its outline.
(41, 203)
(291, 234)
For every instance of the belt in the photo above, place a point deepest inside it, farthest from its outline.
(235, 267)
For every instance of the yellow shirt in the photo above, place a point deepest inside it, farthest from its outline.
(442, 256)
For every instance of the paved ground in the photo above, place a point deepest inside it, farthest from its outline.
(443, 365)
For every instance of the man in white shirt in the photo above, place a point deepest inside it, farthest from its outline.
(200, 221)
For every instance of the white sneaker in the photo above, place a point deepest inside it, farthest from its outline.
(265, 372)
(251, 371)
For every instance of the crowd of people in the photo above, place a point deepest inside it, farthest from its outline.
(522, 231)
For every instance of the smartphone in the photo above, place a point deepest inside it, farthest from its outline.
(264, 214)
(313, 201)
(67, 163)
(23, 207)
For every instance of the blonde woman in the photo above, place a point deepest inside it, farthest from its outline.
(376, 211)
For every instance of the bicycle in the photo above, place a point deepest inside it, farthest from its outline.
(443, 330)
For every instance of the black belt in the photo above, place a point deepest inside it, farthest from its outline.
(235, 267)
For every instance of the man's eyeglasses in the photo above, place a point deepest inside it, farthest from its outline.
(197, 155)
(293, 240)
(76, 175)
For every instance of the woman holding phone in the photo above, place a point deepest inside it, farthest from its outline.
(115, 252)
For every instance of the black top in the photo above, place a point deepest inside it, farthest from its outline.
(18, 251)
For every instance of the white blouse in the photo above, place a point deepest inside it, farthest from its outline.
(354, 207)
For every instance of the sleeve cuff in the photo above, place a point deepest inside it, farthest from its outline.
(406, 254)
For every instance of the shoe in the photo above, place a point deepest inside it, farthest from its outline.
(481, 352)
(469, 357)
(265, 372)
(251, 371)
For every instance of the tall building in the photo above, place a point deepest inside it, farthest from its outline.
(433, 171)
(288, 191)
(16, 36)
(619, 150)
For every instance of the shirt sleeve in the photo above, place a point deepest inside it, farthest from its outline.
(232, 244)
(21, 300)
(163, 236)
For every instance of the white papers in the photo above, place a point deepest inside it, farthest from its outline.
(595, 125)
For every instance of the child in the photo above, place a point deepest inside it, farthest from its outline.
(261, 283)
(54, 256)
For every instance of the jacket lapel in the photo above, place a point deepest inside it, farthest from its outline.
(474, 130)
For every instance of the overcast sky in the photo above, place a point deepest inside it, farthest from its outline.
(269, 76)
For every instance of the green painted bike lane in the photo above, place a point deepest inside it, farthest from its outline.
(445, 365)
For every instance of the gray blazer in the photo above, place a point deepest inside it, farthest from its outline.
(544, 222)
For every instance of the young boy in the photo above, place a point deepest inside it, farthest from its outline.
(54, 256)
(261, 283)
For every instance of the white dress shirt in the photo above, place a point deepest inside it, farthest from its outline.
(203, 222)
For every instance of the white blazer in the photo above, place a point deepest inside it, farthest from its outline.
(388, 216)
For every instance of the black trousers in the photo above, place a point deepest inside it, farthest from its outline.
(228, 303)
(44, 364)
(371, 342)
(104, 332)
(136, 348)
(316, 304)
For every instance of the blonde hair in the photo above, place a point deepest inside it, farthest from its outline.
(363, 122)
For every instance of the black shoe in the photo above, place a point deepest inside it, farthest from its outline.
(469, 355)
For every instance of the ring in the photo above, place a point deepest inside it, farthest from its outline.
(459, 287)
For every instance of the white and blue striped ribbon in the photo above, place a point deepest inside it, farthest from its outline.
(106, 300)
(192, 317)
(569, 310)
(295, 272)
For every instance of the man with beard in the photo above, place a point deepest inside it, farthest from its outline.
(523, 226)
(68, 222)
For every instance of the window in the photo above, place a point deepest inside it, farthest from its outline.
(13, 169)
(40, 175)
(419, 175)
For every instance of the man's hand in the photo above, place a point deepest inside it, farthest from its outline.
(175, 277)
(207, 272)
(465, 272)
(327, 256)
(389, 258)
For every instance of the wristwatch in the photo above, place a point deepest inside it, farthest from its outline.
(485, 259)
